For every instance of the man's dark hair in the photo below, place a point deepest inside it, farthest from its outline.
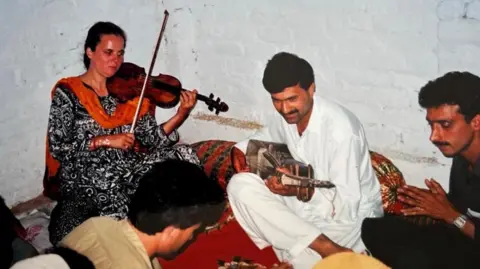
(453, 88)
(175, 193)
(287, 70)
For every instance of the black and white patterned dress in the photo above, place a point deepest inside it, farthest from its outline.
(100, 182)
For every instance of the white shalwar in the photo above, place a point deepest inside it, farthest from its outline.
(334, 144)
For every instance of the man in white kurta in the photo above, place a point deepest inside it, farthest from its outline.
(334, 143)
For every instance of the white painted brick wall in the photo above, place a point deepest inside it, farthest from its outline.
(372, 56)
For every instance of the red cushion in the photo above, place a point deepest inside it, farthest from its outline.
(216, 160)
(390, 179)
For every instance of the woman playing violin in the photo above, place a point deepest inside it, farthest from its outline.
(90, 151)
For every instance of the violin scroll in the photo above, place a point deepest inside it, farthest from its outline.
(219, 106)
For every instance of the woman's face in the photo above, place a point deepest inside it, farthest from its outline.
(108, 55)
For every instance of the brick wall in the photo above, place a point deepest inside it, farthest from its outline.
(372, 56)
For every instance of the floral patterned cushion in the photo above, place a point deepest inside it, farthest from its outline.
(214, 156)
(216, 160)
(390, 179)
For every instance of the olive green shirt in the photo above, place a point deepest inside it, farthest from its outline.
(109, 244)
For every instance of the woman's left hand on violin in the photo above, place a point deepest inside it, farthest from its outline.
(188, 99)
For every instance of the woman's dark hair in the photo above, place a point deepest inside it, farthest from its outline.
(176, 193)
(94, 35)
(453, 88)
(286, 70)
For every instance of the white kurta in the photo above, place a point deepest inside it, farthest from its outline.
(334, 144)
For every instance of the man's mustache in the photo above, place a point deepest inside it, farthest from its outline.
(440, 143)
(290, 113)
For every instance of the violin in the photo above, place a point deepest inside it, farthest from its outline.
(162, 90)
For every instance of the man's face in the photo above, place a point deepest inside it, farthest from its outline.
(293, 103)
(179, 240)
(449, 130)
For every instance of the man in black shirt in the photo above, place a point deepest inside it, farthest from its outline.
(452, 103)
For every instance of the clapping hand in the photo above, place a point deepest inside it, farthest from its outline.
(432, 202)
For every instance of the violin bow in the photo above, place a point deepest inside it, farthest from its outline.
(150, 69)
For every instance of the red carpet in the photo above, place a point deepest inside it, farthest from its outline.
(222, 244)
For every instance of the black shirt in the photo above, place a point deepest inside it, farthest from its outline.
(464, 192)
